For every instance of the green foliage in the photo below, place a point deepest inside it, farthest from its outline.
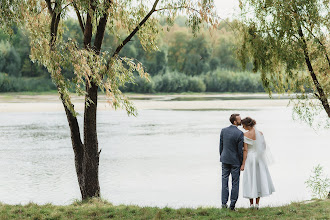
(10, 61)
(188, 54)
(190, 60)
(318, 184)
(228, 81)
(20, 84)
(215, 81)
(171, 82)
(287, 41)
(225, 53)
(14, 55)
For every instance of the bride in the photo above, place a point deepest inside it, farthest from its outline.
(257, 181)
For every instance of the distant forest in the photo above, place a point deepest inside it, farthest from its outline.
(183, 63)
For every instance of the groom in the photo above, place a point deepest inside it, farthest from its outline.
(231, 156)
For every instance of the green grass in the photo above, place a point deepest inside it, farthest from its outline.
(99, 209)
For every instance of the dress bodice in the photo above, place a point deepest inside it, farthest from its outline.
(251, 144)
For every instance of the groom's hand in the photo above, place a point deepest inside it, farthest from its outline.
(242, 168)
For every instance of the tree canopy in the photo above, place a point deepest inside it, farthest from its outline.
(288, 41)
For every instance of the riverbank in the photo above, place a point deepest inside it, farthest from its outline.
(96, 209)
(49, 102)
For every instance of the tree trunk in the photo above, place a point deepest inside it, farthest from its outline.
(91, 153)
(321, 95)
(77, 145)
(90, 163)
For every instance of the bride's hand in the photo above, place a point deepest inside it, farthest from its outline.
(242, 167)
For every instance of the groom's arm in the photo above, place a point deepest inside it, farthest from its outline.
(240, 147)
(221, 142)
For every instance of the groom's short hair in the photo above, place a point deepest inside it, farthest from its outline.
(233, 118)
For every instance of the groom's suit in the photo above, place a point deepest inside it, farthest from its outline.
(231, 156)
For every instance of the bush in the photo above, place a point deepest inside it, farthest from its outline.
(10, 61)
(196, 84)
(318, 183)
(228, 81)
(141, 85)
(171, 82)
(216, 81)
(18, 84)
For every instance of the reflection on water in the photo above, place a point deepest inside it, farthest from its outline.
(160, 158)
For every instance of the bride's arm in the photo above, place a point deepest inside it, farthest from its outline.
(245, 150)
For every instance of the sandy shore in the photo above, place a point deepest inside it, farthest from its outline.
(51, 103)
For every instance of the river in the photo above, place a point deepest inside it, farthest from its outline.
(163, 157)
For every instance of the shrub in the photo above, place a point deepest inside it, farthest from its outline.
(171, 82)
(141, 85)
(196, 84)
(228, 81)
(318, 184)
(19, 84)
(216, 81)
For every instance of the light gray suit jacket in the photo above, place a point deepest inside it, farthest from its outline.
(231, 145)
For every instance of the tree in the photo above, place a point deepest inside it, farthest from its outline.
(95, 68)
(189, 54)
(288, 41)
(10, 62)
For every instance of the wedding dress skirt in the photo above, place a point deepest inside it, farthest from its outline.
(257, 181)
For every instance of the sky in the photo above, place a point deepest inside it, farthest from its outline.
(227, 8)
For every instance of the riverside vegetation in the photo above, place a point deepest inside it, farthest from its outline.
(205, 63)
(99, 209)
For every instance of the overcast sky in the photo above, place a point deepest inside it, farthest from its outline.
(227, 8)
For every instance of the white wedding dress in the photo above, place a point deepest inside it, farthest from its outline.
(257, 181)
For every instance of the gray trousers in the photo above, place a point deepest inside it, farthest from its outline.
(234, 170)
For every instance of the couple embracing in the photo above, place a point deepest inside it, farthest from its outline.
(244, 152)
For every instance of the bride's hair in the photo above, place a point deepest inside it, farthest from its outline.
(249, 122)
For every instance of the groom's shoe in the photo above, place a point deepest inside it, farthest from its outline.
(224, 206)
(233, 209)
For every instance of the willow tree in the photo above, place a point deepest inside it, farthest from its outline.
(94, 67)
(288, 41)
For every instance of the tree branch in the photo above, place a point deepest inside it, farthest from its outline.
(81, 23)
(101, 27)
(137, 28)
(49, 6)
(66, 6)
(321, 96)
(54, 25)
(162, 9)
(88, 31)
(321, 44)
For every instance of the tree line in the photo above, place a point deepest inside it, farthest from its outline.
(183, 62)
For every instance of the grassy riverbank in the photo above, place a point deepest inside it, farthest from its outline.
(96, 209)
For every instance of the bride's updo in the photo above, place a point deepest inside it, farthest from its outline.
(249, 122)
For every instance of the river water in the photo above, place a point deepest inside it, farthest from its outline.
(160, 158)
